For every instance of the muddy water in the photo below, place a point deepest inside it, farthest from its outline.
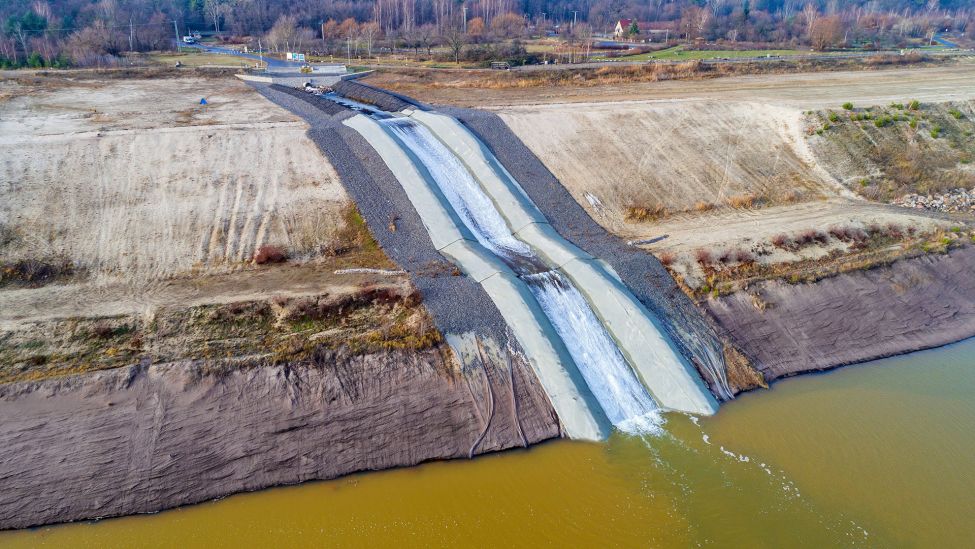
(874, 455)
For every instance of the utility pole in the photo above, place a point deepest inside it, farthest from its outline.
(575, 13)
(131, 47)
(260, 52)
(464, 9)
(321, 24)
(176, 28)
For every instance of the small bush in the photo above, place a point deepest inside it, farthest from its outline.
(644, 213)
(702, 206)
(269, 254)
(914, 105)
(882, 121)
(744, 256)
(782, 241)
(35, 272)
(833, 117)
(955, 113)
(936, 131)
(703, 257)
(848, 106)
(102, 329)
(667, 259)
(913, 123)
(742, 201)
(840, 233)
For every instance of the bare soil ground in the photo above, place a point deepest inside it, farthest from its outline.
(670, 157)
(137, 204)
(811, 90)
(134, 179)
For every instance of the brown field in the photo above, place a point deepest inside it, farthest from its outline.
(805, 90)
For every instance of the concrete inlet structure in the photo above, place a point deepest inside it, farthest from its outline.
(670, 379)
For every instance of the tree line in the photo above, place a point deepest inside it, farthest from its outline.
(54, 33)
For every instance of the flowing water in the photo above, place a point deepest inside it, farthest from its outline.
(876, 455)
(622, 396)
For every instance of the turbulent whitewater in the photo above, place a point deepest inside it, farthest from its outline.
(625, 400)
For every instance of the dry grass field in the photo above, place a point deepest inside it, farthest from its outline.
(647, 161)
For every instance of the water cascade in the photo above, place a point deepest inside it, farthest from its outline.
(623, 398)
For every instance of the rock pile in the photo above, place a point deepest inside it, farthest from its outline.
(958, 200)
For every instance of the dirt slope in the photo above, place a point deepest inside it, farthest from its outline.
(135, 179)
(677, 155)
(142, 439)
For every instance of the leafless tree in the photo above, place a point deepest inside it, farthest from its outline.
(455, 39)
(214, 10)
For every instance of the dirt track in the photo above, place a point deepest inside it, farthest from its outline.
(803, 90)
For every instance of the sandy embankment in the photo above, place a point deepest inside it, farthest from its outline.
(134, 180)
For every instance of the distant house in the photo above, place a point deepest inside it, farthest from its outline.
(649, 31)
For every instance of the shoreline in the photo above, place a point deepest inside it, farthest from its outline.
(146, 438)
(910, 305)
(86, 403)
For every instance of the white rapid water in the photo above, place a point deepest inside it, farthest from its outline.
(625, 400)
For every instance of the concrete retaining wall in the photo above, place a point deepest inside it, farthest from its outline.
(580, 413)
(673, 382)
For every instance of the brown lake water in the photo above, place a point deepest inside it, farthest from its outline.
(876, 455)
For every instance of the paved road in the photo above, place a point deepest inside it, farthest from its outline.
(272, 63)
(941, 40)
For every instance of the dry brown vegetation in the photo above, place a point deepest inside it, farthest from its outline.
(856, 248)
(908, 147)
(413, 80)
(279, 330)
(742, 376)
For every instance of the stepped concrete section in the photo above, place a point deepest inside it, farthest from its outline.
(576, 406)
(670, 378)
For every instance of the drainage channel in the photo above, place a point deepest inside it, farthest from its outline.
(598, 353)
(622, 397)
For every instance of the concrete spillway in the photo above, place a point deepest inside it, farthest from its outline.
(594, 347)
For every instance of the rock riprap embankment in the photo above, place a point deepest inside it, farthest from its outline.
(955, 201)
